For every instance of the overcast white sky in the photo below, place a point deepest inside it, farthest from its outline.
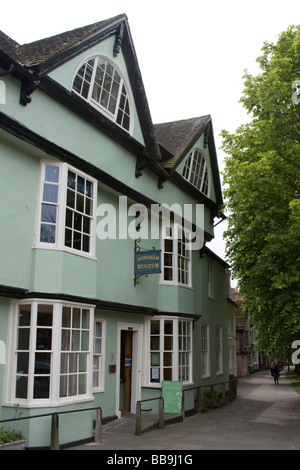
(192, 53)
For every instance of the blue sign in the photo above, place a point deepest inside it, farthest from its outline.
(147, 262)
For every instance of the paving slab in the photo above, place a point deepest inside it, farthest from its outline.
(264, 416)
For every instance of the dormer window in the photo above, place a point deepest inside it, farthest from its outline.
(100, 83)
(196, 172)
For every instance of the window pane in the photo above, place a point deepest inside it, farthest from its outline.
(154, 343)
(45, 313)
(48, 213)
(168, 343)
(71, 180)
(168, 374)
(22, 363)
(65, 340)
(42, 363)
(70, 198)
(41, 387)
(24, 315)
(80, 184)
(168, 326)
(48, 233)
(97, 346)
(85, 316)
(21, 387)
(52, 173)
(155, 326)
(23, 341)
(76, 318)
(50, 193)
(44, 338)
(66, 317)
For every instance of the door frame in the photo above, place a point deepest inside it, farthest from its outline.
(136, 367)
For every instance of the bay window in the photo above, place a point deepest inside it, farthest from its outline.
(51, 360)
(176, 256)
(170, 350)
(66, 209)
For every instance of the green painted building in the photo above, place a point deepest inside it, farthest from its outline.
(97, 186)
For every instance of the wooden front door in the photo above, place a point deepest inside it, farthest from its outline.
(126, 367)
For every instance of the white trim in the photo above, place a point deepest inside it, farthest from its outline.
(101, 388)
(94, 103)
(188, 170)
(175, 351)
(174, 282)
(59, 244)
(54, 399)
(207, 327)
(137, 353)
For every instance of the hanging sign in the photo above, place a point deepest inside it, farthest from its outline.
(172, 395)
(147, 262)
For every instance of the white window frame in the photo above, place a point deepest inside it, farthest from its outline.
(61, 205)
(172, 232)
(175, 352)
(199, 180)
(103, 109)
(100, 356)
(210, 280)
(219, 349)
(205, 350)
(54, 399)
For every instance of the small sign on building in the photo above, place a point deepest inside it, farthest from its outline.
(147, 262)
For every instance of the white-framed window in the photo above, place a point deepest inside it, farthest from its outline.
(196, 171)
(50, 350)
(176, 256)
(205, 350)
(66, 213)
(170, 350)
(210, 285)
(99, 82)
(99, 355)
(219, 350)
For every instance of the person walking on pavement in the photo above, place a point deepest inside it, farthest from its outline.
(275, 369)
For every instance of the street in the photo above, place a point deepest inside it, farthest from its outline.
(264, 416)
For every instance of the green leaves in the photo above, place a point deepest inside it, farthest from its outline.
(262, 180)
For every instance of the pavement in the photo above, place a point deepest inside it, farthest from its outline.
(264, 416)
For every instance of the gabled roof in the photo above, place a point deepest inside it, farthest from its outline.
(41, 57)
(166, 144)
(179, 136)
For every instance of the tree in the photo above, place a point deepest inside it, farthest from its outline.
(262, 189)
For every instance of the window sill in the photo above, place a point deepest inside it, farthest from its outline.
(173, 284)
(66, 250)
(47, 404)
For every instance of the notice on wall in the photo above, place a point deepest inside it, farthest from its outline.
(172, 395)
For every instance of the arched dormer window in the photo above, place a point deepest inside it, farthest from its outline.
(99, 82)
(196, 172)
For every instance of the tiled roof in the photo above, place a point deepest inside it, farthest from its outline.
(37, 52)
(177, 137)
